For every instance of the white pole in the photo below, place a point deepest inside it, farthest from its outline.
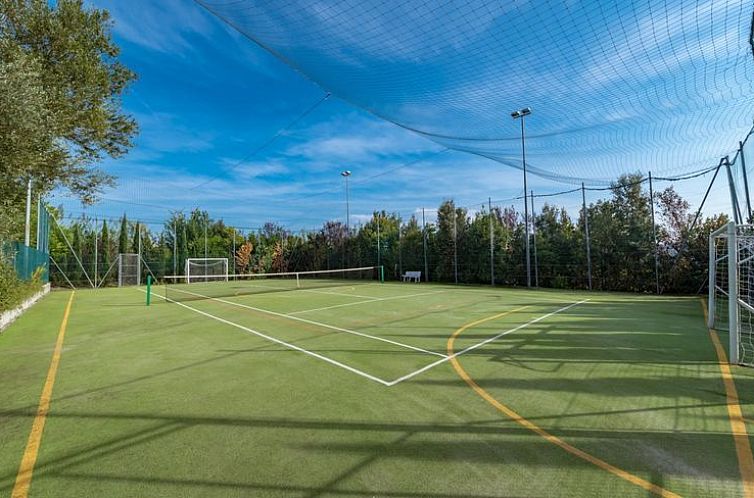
(732, 293)
(711, 275)
(138, 265)
(96, 236)
(39, 221)
(27, 232)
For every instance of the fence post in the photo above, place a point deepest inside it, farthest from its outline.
(746, 180)
(379, 217)
(400, 250)
(733, 197)
(424, 237)
(96, 259)
(534, 240)
(654, 234)
(586, 234)
(492, 244)
(455, 245)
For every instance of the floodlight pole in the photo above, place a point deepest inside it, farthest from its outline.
(522, 115)
(345, 174)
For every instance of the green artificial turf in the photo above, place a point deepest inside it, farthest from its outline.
(165, 401)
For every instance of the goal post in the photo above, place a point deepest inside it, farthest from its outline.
(129, 269)
(206, 269)
(731, 289)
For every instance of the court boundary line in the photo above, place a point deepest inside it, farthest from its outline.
(312, 322)
(370, 300)
(488, 340)
(291, 289)
(29, 459)
(551, 438)
(280, 342)
(735, 414)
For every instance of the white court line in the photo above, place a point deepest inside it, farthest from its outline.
(278, 341)
(370, 300)
(312, 322)
(290, 289)
(486, 341)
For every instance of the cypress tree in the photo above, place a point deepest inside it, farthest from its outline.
(104, 249)
(123, 235)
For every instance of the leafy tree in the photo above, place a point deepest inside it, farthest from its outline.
(64, 77)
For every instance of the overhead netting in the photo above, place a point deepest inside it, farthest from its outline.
(615, 86)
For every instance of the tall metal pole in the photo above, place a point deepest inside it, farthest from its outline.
(138, 266)
(39, 221)
(424, 238)
(400, 252)
(455, 246)
(345, 174)
(586, 233)
(492, 244)
(526, 208)
(733, 195)
(378, 238)
(746, 181)
(96, 236)
(348, 209)
(27, 231)
(234, 251)
(175, 247)
(534, 239)
(654, 234)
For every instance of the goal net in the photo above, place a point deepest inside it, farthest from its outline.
(731, 289)
(180, 288)
(129, 269)
(206, 270)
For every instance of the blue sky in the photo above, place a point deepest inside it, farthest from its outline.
(208, 98)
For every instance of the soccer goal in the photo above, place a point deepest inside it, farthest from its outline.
(129, 269)
(206, 269)
(731, 289)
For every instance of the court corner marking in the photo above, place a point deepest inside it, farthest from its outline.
(29, 459)
(513, 415)
(735, 414)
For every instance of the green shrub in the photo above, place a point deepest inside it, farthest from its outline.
(13, 291)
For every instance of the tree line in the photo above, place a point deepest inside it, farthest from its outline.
(458, 246)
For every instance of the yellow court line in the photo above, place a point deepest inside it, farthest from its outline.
(538, 430)
(23, 478)
(737, 422)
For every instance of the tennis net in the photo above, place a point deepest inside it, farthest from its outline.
(180, 288)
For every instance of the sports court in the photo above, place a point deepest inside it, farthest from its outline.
(353, 387)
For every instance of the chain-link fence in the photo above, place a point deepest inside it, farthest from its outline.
(27, 262)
